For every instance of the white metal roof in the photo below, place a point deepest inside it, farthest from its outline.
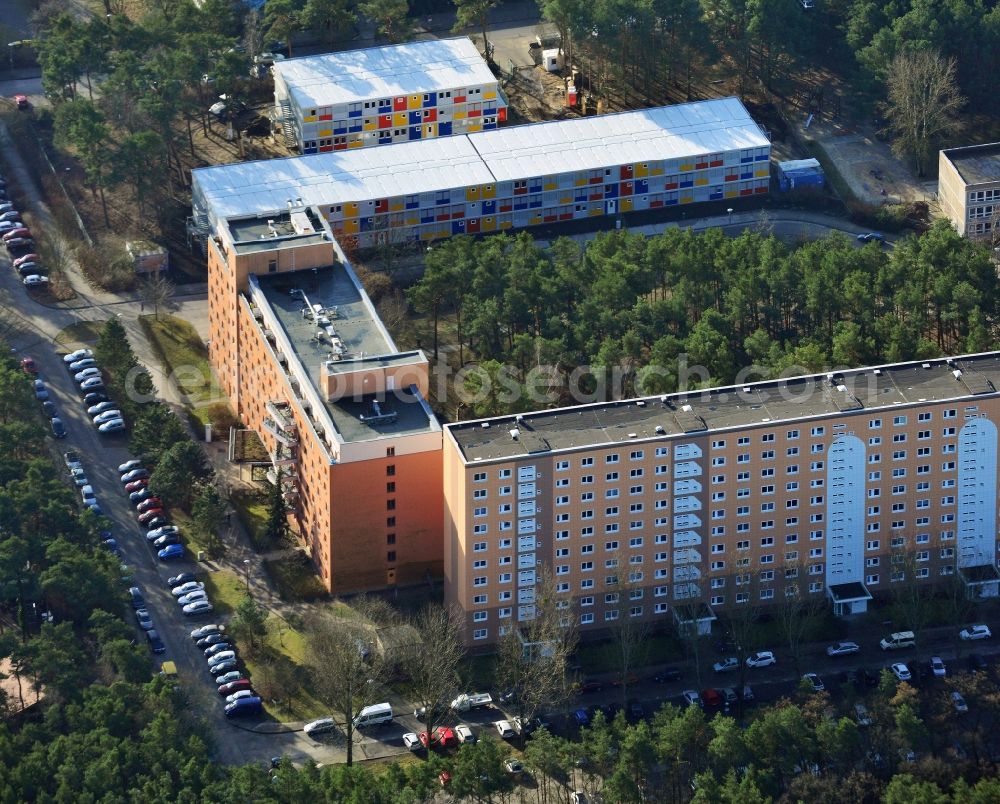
(380, 171)
(666, 132)
(383, 72)
(384, 171)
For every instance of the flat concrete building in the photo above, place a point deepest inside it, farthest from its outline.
(384, 95)
(672, 508)
(307, 363)
(506, 179)
(969, 188)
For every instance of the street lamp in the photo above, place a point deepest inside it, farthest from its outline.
(246, 567)
(730, 211)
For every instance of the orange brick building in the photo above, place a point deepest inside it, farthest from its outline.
(307, 364)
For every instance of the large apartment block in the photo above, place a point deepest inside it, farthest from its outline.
(308, 365)
(969, 187)
(510, 178)
(385, 95)
(673, 508)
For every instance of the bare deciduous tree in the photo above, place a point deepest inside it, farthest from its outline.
(923, 103)
(156, 291)
(628, 633)
(347, 675)
(433, 663)
(532, 658)
(797, 610)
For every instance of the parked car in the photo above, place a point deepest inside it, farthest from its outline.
(974, 632)
(504, 729)
(464, 733)
(82, 363)
(72, 357)
(842, 649)
(211, 639)
(155, 643)
(219, 647)
(72, 460)
(763, 658)
(156, 522)
(229, 687)
(692, 698)
(86, 374)
(218, 658)
(667, 675)
(92, 384)
(135, 485)
(93, 397)
(958, 702)
(240, 694)
(199, 606)
(101, 407)
(192, 597)
(411, 741)
(58, 428)
(228, 676)
(107, 416)
(226, 666)
(135, 597)
(513, 766)
(30, 268)
(28, 366)
(938, 667)
(144, 619)
(18, 243)
(149, 516)
(41, 392)
(186, 587)
(727, 665)
(170, 553)
(10, 215)
(901, 671)
(111, 426)
(814, 681)
(870, 237)
(79, 477)
(49, 408)
(35, 281)
(139, 495)
(138, 473)
(861, 715)
(156, 533)
(149, 504)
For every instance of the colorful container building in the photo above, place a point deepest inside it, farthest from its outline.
(386, 95)
(509, 178)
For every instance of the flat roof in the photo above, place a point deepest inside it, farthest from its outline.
(849, 592)
(265, 186)
(976, 164)
(289, 229)
(384, 72)
(361, 334)
(646, 135)
(872, 389)
(538, 149)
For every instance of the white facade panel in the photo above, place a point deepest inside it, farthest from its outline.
(845, 511)
(977, 493)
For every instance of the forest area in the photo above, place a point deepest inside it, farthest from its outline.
(629, 302)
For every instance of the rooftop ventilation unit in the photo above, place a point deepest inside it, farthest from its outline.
(660, 430)
(641, 403)
(514, 433)
(485, 425)
(957, 374)
(686, 408)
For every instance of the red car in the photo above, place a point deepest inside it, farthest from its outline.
(21, 101)
(16, 234)
(26, 258)
(235, 686)
(444, 736)
(135, 485)
(711, 697)
(150, 515)
(149, 502)
(28, 365)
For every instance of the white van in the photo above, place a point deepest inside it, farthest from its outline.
(373, 715)
(321, 726)
(900, 639)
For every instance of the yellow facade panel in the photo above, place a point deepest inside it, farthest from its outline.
(399, 119)
(472, 193)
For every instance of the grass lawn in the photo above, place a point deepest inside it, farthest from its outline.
(295, 579)
(251, 508)
(225, 590)
(603, 657)
(184, 357)
(83, 333)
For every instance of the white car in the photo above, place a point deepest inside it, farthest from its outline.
(692, 698)
(72, 357)
(107, 416)
(241, 694)
(938, 668)
(842, 649)
(205, 630)
(504, 729)
(128, 466)
(901, 671)
(187, 588)
(198, 607)
(35, 281)
(88, 495)
(958, 702)
(87, 373)
(764, 658)
(79, 477)
(219, 658)
(111, 426)
(464, 734)
(100, 407)
(726, 665)
(197, 596)
(973, 632)
(83, 363)
(411, 741)
(164, 530)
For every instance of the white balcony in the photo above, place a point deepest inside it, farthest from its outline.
(686, 538)
(687, 556)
